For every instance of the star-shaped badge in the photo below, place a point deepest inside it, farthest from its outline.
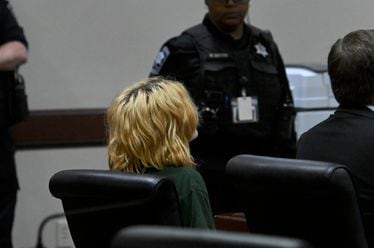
(260, 49)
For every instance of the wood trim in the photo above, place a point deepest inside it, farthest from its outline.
(61, 128)
(234, 222)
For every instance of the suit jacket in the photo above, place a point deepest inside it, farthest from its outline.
(347, 138)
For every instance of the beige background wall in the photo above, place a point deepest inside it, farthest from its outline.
(305, 29)
(83, 51)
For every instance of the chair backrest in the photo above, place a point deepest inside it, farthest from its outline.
(166, 237)
(310, 200)
(98, 203)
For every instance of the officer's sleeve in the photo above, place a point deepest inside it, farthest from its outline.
(10, 30)
(286, 140)
(178, 60)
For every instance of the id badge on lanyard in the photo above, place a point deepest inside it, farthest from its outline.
(244, 109)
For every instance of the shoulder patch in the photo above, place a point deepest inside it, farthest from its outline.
(160, 60)
(11, 9)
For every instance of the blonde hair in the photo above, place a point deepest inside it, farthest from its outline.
(150, 125)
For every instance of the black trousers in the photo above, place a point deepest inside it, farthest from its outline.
(8, 188)
(7, 208)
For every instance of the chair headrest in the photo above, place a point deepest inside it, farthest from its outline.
(177, 237)
(105, 183)
(288, 174)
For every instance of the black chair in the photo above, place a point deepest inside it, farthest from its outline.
(98, 203)
(166, 237)
(311, 200)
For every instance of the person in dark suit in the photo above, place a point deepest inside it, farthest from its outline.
(347, 136)
(13, 53)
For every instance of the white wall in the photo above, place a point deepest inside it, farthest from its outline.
(82, 52)
(306, 29)
(35, 202)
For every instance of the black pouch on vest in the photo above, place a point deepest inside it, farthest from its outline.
(18, 106)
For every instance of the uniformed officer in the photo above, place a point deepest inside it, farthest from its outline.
(13, 52)
(236, 75)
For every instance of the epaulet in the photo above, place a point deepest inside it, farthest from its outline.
(266, 34)
(198, 31)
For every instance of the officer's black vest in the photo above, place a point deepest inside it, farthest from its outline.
(229, 71)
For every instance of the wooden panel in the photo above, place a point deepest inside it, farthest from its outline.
(234, 222)
(61, 128)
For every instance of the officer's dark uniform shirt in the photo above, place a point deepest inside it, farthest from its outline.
(9, 31)
(216, 68)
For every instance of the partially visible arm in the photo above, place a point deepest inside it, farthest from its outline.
(174, 58)
(12, 54)
(286, 143)
(13, 43)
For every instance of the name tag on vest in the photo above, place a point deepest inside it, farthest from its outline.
(218, 55)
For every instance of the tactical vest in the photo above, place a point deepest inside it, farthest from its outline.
(226, 72)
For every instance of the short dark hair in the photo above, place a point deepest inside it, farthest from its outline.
(351, 68)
